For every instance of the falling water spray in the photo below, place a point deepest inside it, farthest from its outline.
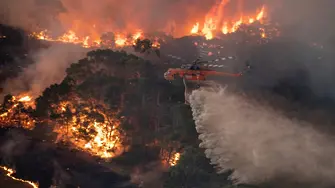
(259, 143)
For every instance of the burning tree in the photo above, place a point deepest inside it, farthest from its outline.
(83, 121)
(146, 46)
(17, 112)
(127, 84)
(89, 126)
(86, 108)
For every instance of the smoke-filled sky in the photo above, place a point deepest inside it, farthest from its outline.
(107, 14)
(309, 19)
(257, 141)
(92, 18)
(49, 68)
(175, 16)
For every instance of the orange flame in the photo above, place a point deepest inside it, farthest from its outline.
(99, 138)
(83, 128)
(211, 23)
(121, 40)
(10, 113)
(25, 99)
(169, 158)
(10, 173)
(68, 37)
(195, 28)
(215, 22)
(174, 159)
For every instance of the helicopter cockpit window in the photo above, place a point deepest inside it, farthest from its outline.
(195, 67)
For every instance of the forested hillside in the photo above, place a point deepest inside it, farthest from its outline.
(155, 122)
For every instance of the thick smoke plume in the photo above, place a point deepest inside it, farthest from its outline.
(49, 68)
(308, 20)
(259, 143)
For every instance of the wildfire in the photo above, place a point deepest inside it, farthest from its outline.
(263, 34)
(195, 28)
(16, 112)
(89, 127)
(169, 158)
(122, 40)
(10, 173)
(119, 40)
(68, 37)
(212, 23)
(26, 98)
(174, 159)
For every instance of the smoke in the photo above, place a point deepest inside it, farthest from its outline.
(307, 20)
(271, 143)
(61, 177)
(149, 176)
(111, 15)
(16, 144)
(49, 68)
(259, 143)
(89, 17)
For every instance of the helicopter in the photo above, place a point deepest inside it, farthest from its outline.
(196, 72)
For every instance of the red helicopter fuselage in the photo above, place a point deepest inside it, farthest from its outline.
(194, 75)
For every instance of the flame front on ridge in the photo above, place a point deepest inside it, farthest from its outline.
(214, 23)
(211, 25)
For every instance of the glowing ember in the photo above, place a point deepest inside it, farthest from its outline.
(10, 173)
(262, 31)
(169, 158)
(174, 159)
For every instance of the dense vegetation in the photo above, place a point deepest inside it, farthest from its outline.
(154, 116)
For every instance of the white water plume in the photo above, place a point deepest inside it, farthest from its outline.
(259, 143)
